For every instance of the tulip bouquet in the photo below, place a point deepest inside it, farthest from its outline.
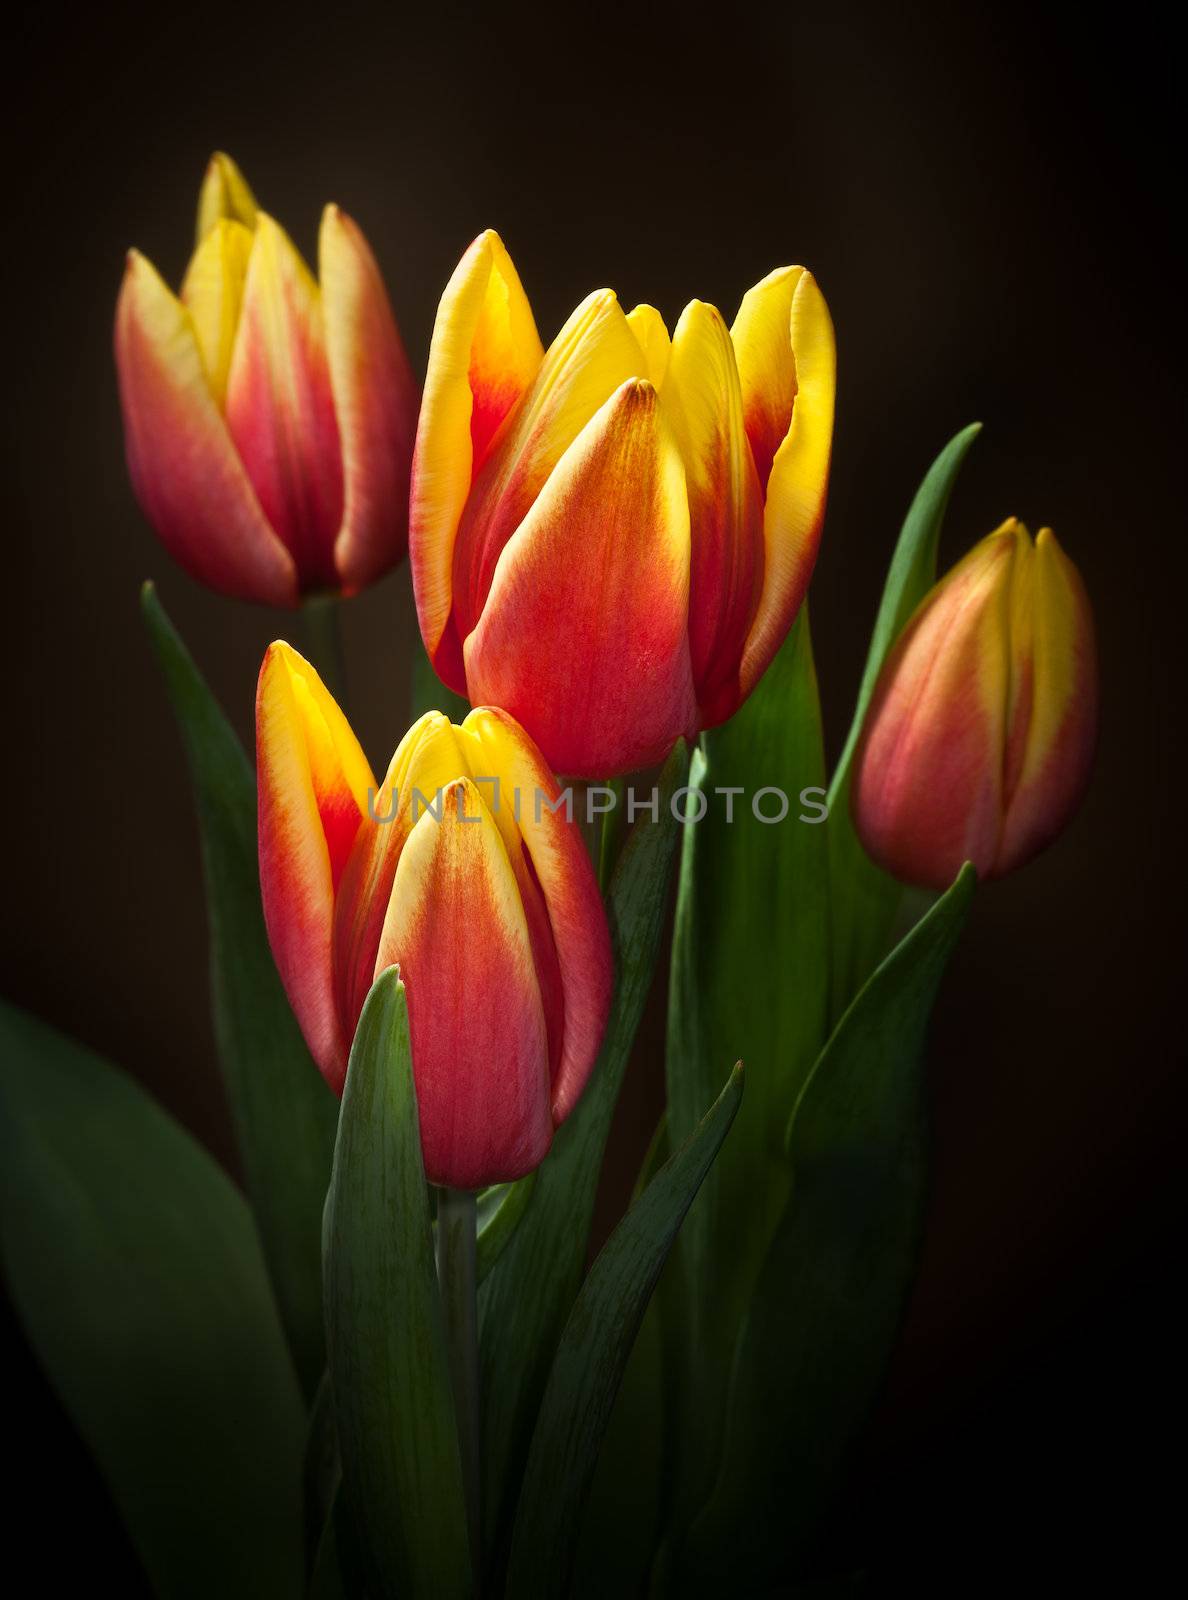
(390, 1366)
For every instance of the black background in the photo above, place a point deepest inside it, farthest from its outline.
(985, 197)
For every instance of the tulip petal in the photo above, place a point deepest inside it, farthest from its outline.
(280, 406)
(799, 475)
(224, 193)
(762, 338)
(428, 759)
(313, 782)
(1054, 710)
(213, 293)
(927, 788)
(485, 352)
(455, 928)
(594, 353)
(584, 639)
(703, 399)
(184, 468)
(375, 403)
(651, 335)
(577, 922)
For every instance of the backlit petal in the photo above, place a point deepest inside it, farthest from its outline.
(184, 468)
(651, 335)
(584, 637)
(796, 486)
(590, 358)
(1054, 704)
(280, 407)
(703, 398)
(561, 866)
(456, 929)
(313, 780)
(927, 789)
(213, 293)
(375, 403)
(484, 354)
(224, 193)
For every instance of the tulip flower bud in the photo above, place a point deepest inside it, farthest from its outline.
(466, 872)
(268, 417)
(979, 738)
(612, 537)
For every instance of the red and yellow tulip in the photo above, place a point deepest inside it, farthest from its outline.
(268, 416)
(458, 870)
(612, 537)
(979, 738)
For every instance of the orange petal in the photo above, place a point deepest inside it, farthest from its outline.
(187, 476)
(484, 354)
(593, 354)
(584, 636)
(375, 403)
(799, 475)
(561, 866)
(703, 397)
(927, 788)
(313, 781)
(455, 928)
(280, 407)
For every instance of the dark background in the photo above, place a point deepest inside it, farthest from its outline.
(984, 197)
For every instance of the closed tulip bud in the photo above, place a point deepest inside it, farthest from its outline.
(464, 871)
(612, 537)
(979, 738)
(268, 416)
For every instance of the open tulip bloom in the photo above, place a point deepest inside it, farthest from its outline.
(391, 1368)
(268, 417)
(611, 538)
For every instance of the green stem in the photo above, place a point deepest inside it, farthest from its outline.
(456, 1277)
(322, 627)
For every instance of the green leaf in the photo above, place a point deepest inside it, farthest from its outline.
(827, 1308)
(402, 1476)
(499, 1212)
(284, 1113)
(864, 900)
(591, 1358)
(135, 1268)
(526, 1298)
(749, 980)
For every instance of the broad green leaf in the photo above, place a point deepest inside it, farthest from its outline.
(499, 1212)
(525, 1300)
(864, 900)
(284, 1114)
(749, 980)
(135, 1267)
(592, 1356)
(393, 1409)
(829, 1300)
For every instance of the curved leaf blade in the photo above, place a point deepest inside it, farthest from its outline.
(526, 1298)
(394, 1412)
(828, 1304)
(593, 1354)
(284, 1114)
(136, 1270)
(864, 900)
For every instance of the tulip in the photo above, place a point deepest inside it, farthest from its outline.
(268, 417)
(612, 537)
(487, 904)
(979, 738)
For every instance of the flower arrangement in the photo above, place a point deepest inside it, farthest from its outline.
(398, 1370)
